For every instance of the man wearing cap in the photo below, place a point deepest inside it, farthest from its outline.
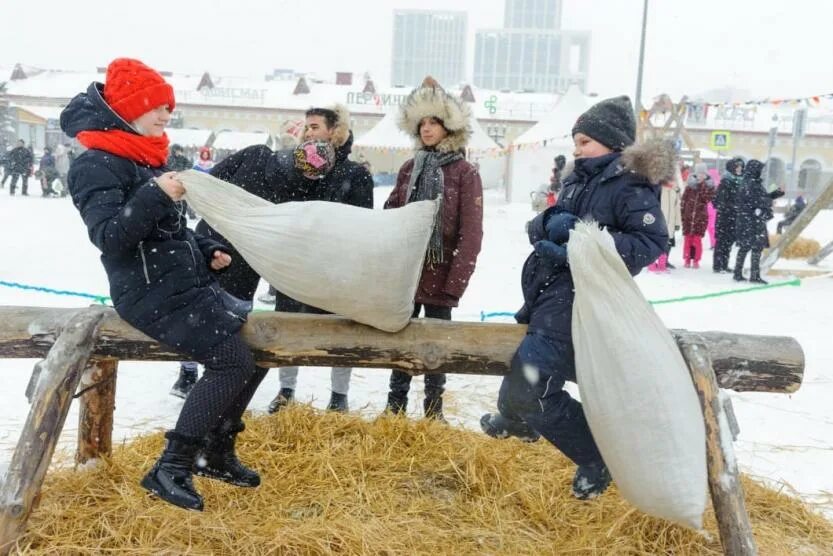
(615, 183)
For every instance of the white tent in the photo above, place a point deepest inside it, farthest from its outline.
(481, 150)
(189, 137)
(237, 140)
(531, 166)
(386, 134)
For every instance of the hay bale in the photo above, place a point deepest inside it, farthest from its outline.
(801, 248)
(340, 484)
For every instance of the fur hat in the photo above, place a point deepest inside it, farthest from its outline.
(131, 89)
(432, 101)
(610, 122)
(314, 159)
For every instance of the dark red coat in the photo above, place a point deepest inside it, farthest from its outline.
(445, 283)
(693, 210)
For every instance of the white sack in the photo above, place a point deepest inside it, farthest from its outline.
(636, 390)
(359, 263)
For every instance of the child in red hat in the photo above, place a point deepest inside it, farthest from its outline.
(161, 273)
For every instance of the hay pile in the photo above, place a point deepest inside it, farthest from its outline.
(340, 484)
(801, 248)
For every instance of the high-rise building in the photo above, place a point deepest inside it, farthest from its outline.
(428, 43)
(532, 14)
(531, 52)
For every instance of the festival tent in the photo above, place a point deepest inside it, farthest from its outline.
(531, 154)
(189, 138)
(237, 140)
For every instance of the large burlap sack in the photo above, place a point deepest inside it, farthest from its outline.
(635, 387)
(359, 263)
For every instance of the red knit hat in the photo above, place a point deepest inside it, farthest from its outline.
(132, 88)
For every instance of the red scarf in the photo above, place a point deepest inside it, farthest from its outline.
(148, 151)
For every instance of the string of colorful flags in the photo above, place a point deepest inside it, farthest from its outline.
(809, 102)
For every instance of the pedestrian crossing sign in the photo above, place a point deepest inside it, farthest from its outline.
(720, 140)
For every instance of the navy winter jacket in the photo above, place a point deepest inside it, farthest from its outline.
(622, 197)
(160, 281)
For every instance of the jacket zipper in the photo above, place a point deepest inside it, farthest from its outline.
(194, 259)
(144, 261)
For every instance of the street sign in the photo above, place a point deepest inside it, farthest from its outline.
(720, 140)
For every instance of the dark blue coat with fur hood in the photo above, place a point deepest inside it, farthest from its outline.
(620, 191)
(160, 281)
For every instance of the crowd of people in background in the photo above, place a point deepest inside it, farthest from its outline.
(18, 164)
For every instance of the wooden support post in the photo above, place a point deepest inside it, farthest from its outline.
(821, 255)
(95, 416)
(724, 478)
(57, 383)
(798, 225)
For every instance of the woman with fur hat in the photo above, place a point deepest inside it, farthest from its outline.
(615, 184)
(161, 273)
(439, 124)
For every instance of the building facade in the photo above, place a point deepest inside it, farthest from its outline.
(532, 14)
(428, 43)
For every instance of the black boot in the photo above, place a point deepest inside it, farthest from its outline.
(185, 382)
(739, 277)
(433, 407)
(756, 279)
(338, 403)
(284, 398)
(590, 480)
(170, 478)
(397, 403)
(218, 460)
(498, 426)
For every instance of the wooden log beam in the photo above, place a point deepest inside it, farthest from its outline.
(95, 416)
(58, 380)
(724, 478)
(821, 255)
(742, 362)
(794, 230)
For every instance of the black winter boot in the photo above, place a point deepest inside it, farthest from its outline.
(756, 279)
(170, 477)
(498, 426)
(284, 398)
(397, 404)
(185, 382)
(218, 460)
(433, 407)
(591, 480)
(338, 403)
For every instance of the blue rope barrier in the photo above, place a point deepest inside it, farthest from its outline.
(102, 299)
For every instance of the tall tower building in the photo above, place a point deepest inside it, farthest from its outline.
(428, 43)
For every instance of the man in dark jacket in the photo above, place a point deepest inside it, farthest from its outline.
(754, 209)
(273, 176)
(616, 185)
(178, 162)
(21, 161)
(725, 203)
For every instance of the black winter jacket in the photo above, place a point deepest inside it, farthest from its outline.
(754, 209)
(160, 281)
(20, 161)
(603, 190)
(271, 175)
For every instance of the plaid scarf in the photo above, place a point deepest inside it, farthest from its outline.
(427, 184)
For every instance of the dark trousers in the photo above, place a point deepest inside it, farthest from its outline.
(25, 187)
(533, 393)
(754, 261)
(400, 383)
(723, 250)
(225, 389)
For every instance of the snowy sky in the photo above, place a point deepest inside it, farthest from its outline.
(776, 48)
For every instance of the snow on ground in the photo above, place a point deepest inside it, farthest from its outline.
(784, 438)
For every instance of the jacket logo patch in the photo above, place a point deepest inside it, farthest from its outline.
(648, 219)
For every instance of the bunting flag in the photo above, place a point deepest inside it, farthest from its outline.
(809, 102)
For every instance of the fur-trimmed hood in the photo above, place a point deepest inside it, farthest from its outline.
(431, 100)
(341, 131)
(655, 160)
